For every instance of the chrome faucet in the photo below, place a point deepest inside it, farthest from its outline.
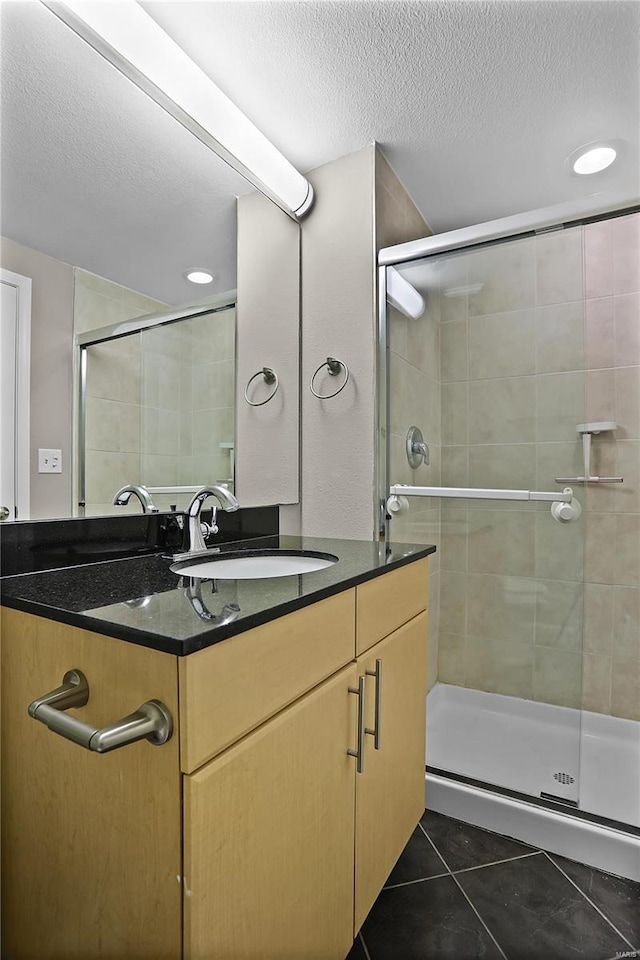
(124, 493)
(196, 533)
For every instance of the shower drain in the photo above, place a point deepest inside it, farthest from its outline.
(563, 778)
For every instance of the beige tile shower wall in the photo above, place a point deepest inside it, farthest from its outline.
(161, 414)
(512, 353)
(415, 388)
(99, 302)
(415, 400)
(116, 437)
(206, 390)
(612, 601)
(524, 360)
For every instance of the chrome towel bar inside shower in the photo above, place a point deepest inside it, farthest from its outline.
(479, 493)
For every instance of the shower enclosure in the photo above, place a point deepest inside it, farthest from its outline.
(156, 407)
(521, 369)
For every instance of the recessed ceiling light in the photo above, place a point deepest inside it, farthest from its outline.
(592, 158)
(200, 276)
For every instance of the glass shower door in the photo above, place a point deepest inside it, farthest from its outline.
(157, 408)
(493, 373)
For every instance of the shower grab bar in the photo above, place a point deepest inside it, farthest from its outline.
(478, 493)
(188, 489)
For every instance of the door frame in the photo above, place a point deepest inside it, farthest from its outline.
(23, 391)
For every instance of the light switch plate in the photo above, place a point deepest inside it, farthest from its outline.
(49, 461)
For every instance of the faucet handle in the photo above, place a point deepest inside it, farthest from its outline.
(207, 529)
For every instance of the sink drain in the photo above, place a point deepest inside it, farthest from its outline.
(563, 778)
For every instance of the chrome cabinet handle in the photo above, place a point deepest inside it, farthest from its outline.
(375, 733)
(151, 721)
(358, 753)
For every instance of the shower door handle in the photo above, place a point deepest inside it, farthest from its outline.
(375, 733)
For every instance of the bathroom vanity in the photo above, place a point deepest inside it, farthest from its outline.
(267, 824)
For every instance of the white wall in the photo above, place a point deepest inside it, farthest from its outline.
(338, 320)
(51, 371)
(360, 206)
(268, 335)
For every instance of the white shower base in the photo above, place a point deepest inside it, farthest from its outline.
(520, 745)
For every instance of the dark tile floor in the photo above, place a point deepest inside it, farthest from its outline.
(461, 893)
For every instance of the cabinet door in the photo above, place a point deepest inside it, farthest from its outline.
(390, 790)
(91, 843)
(268, 856)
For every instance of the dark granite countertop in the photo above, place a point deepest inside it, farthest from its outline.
(142, 601)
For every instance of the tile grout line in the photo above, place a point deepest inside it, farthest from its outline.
(410, 883)
(364, 946)
(446, 865)
(459, 886)
(589, 901)
(451, 873)
(462, 891)
(520, 856)
(481, 866)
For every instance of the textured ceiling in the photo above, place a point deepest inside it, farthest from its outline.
(475, 104)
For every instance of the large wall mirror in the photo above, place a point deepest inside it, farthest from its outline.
(107, 204)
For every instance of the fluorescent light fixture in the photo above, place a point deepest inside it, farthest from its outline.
(198, 275)
(592, 157)
(125, 34)
(402, 295)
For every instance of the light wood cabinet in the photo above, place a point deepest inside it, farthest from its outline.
(387, 602)
(240, 838)
(268, 857)
(390, 790)
(228, 689)
(91, 844)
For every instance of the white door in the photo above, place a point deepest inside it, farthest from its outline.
(15, 332)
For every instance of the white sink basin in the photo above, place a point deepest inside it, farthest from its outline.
(254, 567)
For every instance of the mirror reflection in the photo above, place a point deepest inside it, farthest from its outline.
(157, 409)
(107, 204)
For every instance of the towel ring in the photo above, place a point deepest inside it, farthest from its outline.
(270, 376)
(334, 369)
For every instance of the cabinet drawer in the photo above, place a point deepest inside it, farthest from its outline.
(385, 603)
(232, 687)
